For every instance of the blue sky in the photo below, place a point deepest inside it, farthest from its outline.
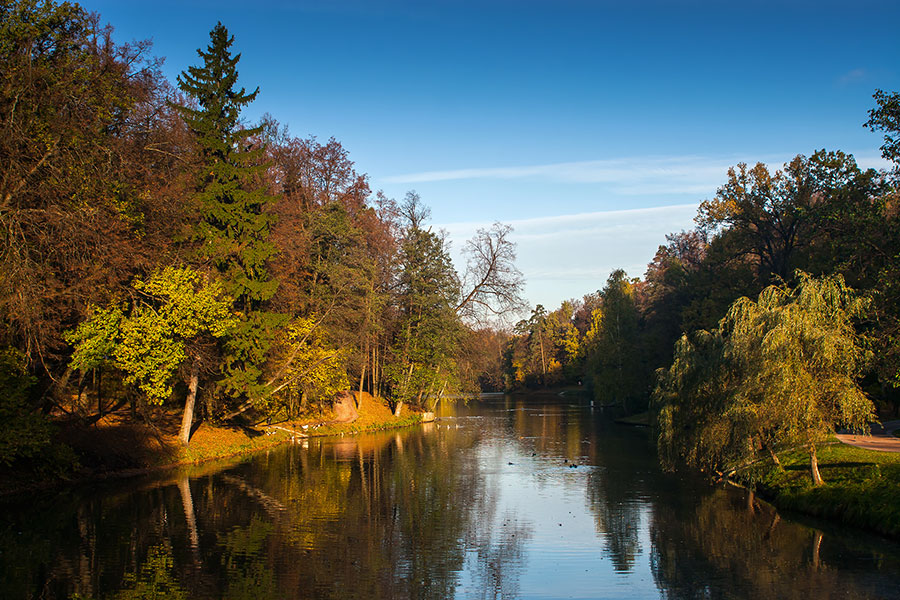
(594, 128)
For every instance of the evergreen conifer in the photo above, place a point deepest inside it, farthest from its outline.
(233, 229)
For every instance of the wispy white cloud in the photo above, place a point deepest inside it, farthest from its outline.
(852, 76)
(588, 223)
(627, 176)
(636, 176)
(567, 256)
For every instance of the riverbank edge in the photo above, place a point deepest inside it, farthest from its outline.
(272, 438)
(869, 502)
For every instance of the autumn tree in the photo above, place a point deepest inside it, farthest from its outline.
(480, 360)
(668, 288)
(308, 367)
(70, 218)
(337, 249)
(530, 353)
(232, 234)
(777, 219)
(173, 315)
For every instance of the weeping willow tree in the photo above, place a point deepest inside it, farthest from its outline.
(693, 394)
(780, 371)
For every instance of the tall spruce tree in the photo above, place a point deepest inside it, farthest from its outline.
(233, 229)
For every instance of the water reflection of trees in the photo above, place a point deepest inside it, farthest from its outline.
(384, 516)
(498, 552)
(727, 544)
(401, 514)
(616, 491)
(562, 429)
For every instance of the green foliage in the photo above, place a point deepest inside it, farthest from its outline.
(799, 357)
(428, 329)
(247, 347)
(339, 282)
(692, 397)
(150, 342)
(25, 432)
(233, 231)
(614, 360)
(778, 371)
(154, 579)
(95, 340)
(310, 367)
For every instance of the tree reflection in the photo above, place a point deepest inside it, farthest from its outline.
(729, 543)
(498, 555)
(154, 579)
(403, 514)
(381, 516)
(614, 493)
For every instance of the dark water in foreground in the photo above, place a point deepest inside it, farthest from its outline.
(482, 504)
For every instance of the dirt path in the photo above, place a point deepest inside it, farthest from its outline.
(882, 438)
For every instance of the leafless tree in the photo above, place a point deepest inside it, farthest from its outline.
(492, 285)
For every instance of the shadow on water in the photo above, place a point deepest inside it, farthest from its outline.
(511, 497)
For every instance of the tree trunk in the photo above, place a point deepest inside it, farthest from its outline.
(82, 384)
(438, 398)
(362, 379)
(814, 466)
(543, 363)
(398, 408)
(187, 502)
(98, 374)
(55, 393)
(774, 456)
(188, 418)
(817, 546)
(376, 371)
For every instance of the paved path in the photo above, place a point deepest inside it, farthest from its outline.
(882, 438)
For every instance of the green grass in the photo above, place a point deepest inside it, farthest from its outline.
(862, 487)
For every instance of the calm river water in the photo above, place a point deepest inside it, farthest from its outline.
(508, 497)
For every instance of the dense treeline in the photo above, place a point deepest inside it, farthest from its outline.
(158, 251)
(728, 377)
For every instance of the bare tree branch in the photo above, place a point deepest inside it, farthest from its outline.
(492, 284)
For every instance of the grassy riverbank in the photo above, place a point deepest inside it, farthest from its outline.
(862, 487)
(117, 445)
